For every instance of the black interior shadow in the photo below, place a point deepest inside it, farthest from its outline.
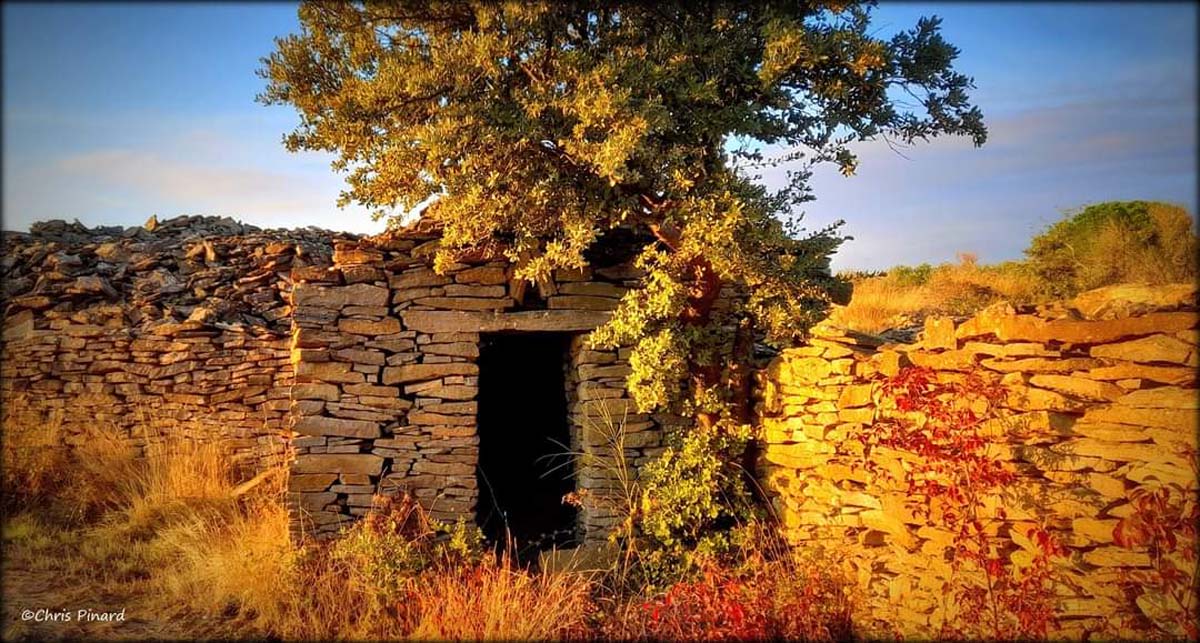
(523, 436)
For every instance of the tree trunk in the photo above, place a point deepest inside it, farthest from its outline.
(701, 297)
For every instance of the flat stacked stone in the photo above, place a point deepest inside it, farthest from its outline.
(205, 384)
(1101, 400)
(353, 352)
(386, 364)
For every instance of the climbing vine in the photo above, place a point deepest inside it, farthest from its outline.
(1163, 524)
(937, 419)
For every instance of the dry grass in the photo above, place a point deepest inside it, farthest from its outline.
(238, 565)
(166, 533)
(399, 575)
(497, 601)
(33, 457)
(164, 530)
(904, 297)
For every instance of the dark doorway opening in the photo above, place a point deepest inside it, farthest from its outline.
(524, 437)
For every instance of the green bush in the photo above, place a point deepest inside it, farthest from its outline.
(858, 275)
(389, 548)
(911, 275)
(693, 497)
(1115, 242)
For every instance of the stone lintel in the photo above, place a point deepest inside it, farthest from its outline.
(453, 321)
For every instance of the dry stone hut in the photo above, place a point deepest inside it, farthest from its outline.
(467, 389)
(472, 391)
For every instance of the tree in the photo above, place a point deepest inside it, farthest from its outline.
(536, 128)
(1115, 242)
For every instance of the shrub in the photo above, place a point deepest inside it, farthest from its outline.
(942, 421)
(911, 275)
(397, 541)
(761, 591)
(1115, 242)
(1164, 524)
(859, 275)
(691, 497)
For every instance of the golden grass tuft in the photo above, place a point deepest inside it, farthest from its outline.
(33, 456)
(168, 533)
(905, 296)
(495, 600)
(237, 564)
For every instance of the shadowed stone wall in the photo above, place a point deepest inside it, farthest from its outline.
(172, 328)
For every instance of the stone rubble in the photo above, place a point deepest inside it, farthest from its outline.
(186, 269)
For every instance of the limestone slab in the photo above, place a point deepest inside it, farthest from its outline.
(364, 463)
(422, 372)
(1156, 348)
(438, 321)
(1166, 397)
(321, 425)
(367, 327)
(338, 297)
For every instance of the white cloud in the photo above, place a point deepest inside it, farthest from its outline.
(200, 171)
(948, 196)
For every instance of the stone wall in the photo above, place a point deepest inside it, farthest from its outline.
(174, 328)
(385, 353)
(185, 380)
(351, 351)
(1101, 401)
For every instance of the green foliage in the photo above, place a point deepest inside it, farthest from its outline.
(396, 542)
(535, 128)
(691, 497)
(857, 275)
(912, 275)
(1114, 242)
(388, 558)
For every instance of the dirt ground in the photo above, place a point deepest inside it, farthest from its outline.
(33, 597)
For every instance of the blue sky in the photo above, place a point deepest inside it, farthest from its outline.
(114, 112)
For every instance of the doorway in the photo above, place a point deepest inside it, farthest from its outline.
(524, 436)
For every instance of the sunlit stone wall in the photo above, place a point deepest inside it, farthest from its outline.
(1101, 401)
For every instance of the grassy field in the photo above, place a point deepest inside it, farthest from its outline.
(1099, 245)
(904, 296)
(174, 543)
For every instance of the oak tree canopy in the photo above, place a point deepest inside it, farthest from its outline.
(538, 127)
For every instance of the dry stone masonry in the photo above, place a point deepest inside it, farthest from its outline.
(354, 358)
(385, 353)
(351, 354)
(173, 327)
(1101, 400)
